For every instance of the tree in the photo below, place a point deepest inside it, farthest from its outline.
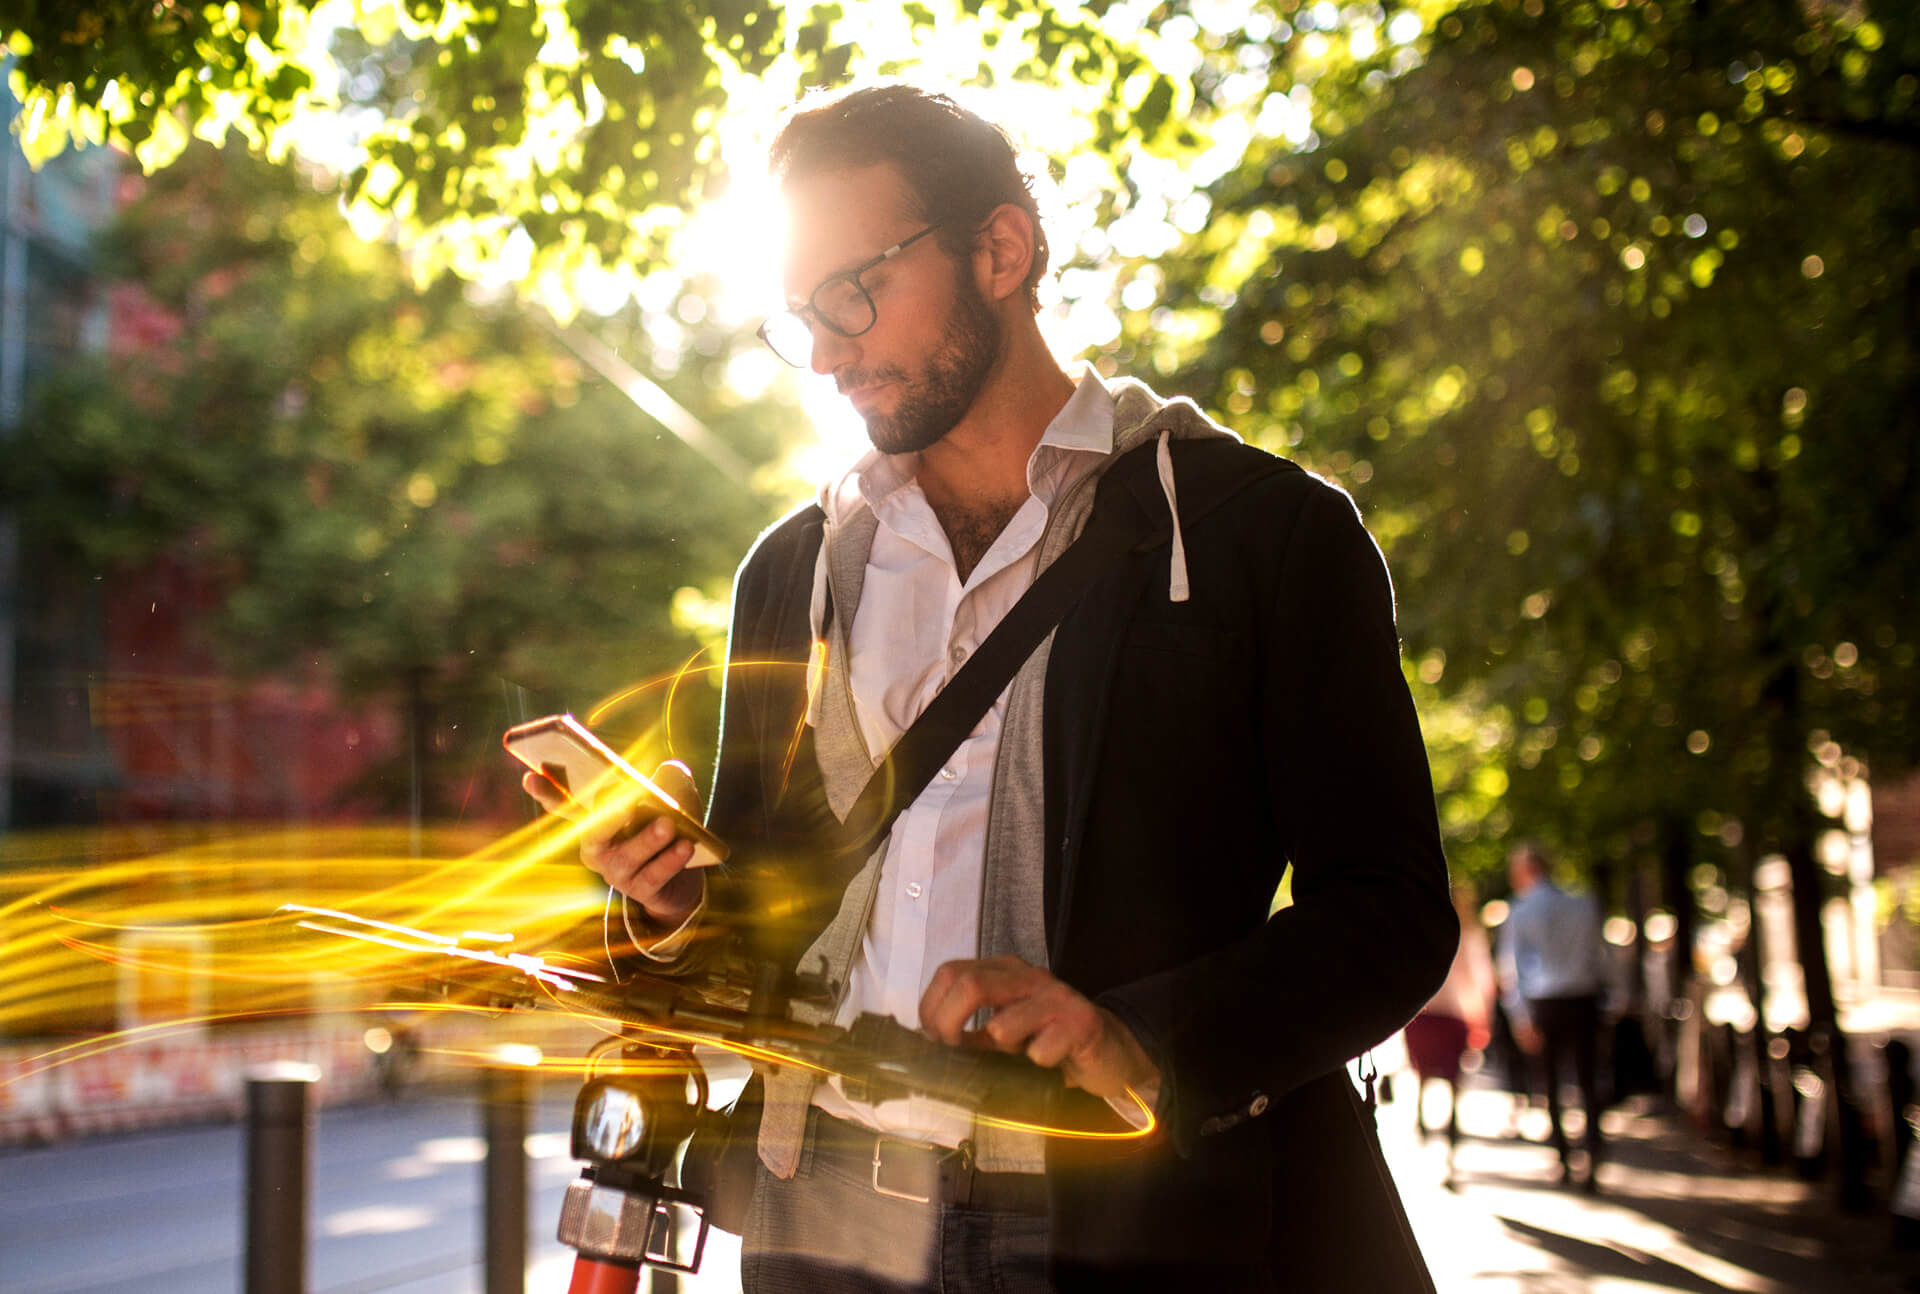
(424, 489)
(1608, 313)
(592, 128)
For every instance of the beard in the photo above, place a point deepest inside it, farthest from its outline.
(933, 403)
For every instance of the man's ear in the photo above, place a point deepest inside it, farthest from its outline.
(1003, 252)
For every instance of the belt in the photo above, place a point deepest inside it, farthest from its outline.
(920, 1173)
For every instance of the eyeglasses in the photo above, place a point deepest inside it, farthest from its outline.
(842, 305)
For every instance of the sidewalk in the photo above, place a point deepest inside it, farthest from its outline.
(1674, 1212)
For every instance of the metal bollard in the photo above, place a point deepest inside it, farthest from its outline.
(279, 1141)
(504, 1096)
(1898, 1058)
(1903, 1190)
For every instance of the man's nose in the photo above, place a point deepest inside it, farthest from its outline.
(830, 349)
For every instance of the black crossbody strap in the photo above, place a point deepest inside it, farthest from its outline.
(950, 716)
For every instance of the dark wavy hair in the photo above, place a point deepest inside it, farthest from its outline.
(958, 165)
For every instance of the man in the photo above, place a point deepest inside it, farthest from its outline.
(1090, 874)
(1552, 957)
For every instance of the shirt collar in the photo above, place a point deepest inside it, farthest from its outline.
(1084, 425)
(1085, 421)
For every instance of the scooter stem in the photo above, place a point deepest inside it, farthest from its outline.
(594, 1276)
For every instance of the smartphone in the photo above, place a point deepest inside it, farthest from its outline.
(561, 749)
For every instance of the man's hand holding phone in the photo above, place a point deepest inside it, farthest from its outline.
(642, 857)
(642, 835)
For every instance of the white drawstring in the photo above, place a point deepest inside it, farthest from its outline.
(1177, 589)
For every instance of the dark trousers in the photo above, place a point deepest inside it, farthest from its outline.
(1569, 1029)
(827, 1231)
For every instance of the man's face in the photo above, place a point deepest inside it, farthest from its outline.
(1523, 869)
(917, 371)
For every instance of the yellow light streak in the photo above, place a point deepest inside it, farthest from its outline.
(421, 941)
(118, 958)
(76, 917)
(816, 676)
(672, 684)
(581, 1066)
(68, 1053)
(619, 700)
(673, 691)
(433, 942)
(217, 925)
(1079, 1134)
(76, 920)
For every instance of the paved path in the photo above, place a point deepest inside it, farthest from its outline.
(395, 1205)
(1673, 1212)
(396, 1208)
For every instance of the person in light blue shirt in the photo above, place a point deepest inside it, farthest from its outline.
(1553, 972)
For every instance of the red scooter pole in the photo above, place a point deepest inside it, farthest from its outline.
(597, 1276)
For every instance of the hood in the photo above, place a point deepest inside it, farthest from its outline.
(1139, 416)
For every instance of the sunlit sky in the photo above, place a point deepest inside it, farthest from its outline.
(733, 243)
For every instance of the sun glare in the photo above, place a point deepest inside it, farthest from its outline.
(726, 254)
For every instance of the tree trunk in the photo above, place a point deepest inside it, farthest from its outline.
(1798, 825)
(1753, 962)
(1636, 903)
(1823, 1020)
(1676, 890)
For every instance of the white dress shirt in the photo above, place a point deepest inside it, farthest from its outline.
(916, 625)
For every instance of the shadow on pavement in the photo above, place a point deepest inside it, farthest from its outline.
(1614, 1260)
(1675, 1211)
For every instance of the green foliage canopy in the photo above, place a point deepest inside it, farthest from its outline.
(416, 490)
(592, 126)
(1607, 312)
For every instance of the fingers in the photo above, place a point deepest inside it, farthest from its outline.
(550, 797)
(629, 844)
(1033, 1012)
(676, 779)
(624, 809)
(1066, 1043)
(1052, 1028)
(960, 988)
(637, 861)
(1047, 1019)
(649, 866)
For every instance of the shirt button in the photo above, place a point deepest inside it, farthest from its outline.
(913, 889)
(947, 773)
(958, 654)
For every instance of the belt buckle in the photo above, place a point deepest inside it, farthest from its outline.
(879, 1142)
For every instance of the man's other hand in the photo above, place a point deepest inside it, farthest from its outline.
(1052, 1023)
(636, 854)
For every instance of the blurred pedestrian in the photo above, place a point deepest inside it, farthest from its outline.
(1456, 1020)
(1553, 948)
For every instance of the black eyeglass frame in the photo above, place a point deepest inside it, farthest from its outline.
(801, 314)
